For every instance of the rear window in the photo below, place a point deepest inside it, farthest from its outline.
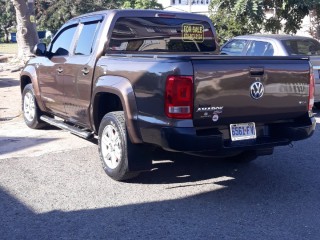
(302, 47)
(154, 34)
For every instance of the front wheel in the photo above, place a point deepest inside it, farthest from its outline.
(31, 111)
(118, 155)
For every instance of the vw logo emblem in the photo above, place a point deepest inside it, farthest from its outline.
(256, 90)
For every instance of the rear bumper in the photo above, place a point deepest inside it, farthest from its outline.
(189, 140)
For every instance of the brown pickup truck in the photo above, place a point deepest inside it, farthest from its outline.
(140, 79)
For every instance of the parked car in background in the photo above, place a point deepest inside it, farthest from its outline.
(278, 45)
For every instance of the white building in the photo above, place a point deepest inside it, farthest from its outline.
(194, 6)
(307, 26)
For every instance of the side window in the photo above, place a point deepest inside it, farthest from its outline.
(235, 47)
(260, 48)
(86, 38)
(61, 45)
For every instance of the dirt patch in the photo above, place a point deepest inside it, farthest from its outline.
(3, 58)
(10, 96)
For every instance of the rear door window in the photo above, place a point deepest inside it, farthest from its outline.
(86, 38)
(234, 47)
(156, 34)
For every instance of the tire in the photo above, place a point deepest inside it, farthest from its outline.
(118, 155)
(30, 108)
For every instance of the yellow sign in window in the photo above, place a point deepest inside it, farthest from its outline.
(192, 33)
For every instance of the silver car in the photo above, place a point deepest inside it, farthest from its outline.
(278, 45)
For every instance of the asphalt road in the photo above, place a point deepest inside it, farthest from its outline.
(52, 186)
(66, 195)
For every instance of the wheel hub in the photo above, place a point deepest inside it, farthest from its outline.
(29, 107)
(111, 146)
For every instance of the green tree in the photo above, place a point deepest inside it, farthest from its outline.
(288, 14)
(238, 17)
(7, 18)
(142, 4)
(51, 15)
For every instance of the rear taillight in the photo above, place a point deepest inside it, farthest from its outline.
(179, 97)
(311, 91)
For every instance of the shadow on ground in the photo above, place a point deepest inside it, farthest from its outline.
(13, 144)
(255, 204)
(170, 167)
(8, 82)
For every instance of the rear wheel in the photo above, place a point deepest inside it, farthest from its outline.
(31, 110)
(118, 155)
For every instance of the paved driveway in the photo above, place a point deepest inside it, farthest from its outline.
(52, 186)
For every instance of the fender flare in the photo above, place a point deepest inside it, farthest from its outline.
(31, 72)
(122, 88)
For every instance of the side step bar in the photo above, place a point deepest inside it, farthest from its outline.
(60, 124)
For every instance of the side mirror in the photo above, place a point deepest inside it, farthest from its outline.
(40, 49)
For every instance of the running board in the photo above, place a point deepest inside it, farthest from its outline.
(60, 124)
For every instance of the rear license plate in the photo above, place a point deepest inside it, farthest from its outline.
(242, 131)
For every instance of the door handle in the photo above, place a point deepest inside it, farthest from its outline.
(60, 70)
(85, 71)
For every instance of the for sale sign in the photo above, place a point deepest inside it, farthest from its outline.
(192, 33)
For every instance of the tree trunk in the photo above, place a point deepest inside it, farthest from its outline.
(27, 36)
(6, 34)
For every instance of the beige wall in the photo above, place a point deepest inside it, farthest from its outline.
(198, 6)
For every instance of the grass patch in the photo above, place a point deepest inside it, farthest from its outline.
(8, 48)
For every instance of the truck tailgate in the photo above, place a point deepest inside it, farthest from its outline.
(239, 90)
